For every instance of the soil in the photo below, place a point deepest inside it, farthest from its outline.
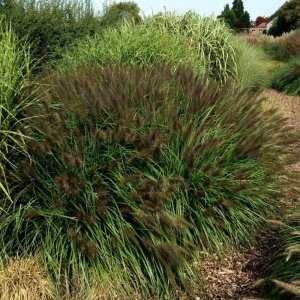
(237, 274)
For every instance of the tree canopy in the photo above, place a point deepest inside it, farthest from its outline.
(286, 18)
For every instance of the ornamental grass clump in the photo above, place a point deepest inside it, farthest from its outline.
(135, 168)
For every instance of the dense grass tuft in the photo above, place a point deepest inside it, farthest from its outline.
(135, 168)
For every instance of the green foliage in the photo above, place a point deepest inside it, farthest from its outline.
(115, 13)
(249, 58)
(286, 79)
(137, 167)
(14, 77)
(277, 51)
(141, 45)
(287, 18)
(50, 25)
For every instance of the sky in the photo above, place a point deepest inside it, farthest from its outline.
(203, 7)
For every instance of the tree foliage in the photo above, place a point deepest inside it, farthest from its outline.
(287, 18)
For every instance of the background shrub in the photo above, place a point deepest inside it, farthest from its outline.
(50, 25)
(284, 47)
(287, 78)
(137, 167)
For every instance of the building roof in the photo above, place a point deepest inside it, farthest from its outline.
(262, 25)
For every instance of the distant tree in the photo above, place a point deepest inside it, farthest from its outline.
(287, 18)
(116, 12)
(228, 16)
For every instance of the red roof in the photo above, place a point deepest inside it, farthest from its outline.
(262, 25)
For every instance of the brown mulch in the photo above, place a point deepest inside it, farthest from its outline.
(233, 277)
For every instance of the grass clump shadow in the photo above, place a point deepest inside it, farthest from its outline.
(137, 168)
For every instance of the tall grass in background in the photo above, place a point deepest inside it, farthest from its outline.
(204, 43)
(135, 168)
(129, 44)
(14, 78)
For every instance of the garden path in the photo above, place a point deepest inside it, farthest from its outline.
(233, 277)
